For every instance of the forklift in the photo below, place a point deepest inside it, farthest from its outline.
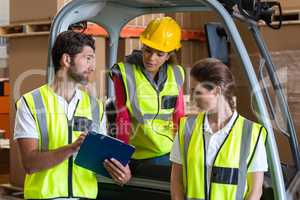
(282, 182)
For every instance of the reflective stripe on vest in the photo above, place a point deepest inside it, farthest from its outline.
(228, 180)
(95, 110)
(42, 122)
(131, 85)
(152, 123)
(56, 131)
(244, 153)
(41, 117)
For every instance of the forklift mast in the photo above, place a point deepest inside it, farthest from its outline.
(113, 15)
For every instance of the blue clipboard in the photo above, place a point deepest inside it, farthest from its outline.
(97, 147)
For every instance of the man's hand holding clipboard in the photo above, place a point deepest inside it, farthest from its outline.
(117, 171)
(105, 155)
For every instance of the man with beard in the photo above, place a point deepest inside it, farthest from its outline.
(52, 121)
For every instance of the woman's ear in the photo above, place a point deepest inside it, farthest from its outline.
(168, 56)
(65, 60)
(218, 90)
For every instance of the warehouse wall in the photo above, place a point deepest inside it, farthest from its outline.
(30, 54)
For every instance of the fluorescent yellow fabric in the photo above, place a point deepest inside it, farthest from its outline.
(54, 182)
(152, 133)
(228, 158)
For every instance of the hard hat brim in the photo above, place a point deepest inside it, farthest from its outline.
(158, 47)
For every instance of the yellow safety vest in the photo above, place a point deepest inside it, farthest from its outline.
(66, 179)
(228, 176)
(151, 110)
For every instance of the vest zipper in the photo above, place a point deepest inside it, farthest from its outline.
(70, 161)
(157, 94)
(219, 152)
(158, 105)
(207, 196)
(155, 87)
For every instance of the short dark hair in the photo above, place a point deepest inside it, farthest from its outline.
(72, 43)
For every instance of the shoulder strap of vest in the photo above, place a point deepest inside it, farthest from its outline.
(131, 87)
(178, 75)
(95, 110)
(188, 130)
(244, 152)
(41, 118)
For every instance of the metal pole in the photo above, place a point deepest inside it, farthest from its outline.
(113, 51)
(279, 94)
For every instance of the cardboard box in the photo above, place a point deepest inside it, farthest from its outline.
(288, 34)
(99, 77)
(285, 55)
(142, 21)
(190, 52)
(132, 44)
(34, 10)
(4, 14)
(193, 20)
(290, 4)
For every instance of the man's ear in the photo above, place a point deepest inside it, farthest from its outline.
(65, 60)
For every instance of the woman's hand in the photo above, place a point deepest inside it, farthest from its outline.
(118, 172)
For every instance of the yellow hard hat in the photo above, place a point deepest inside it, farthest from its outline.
(162, 34)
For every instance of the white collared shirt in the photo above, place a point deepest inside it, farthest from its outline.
(25, 126)
(213, 142)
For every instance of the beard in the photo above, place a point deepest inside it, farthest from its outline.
(77, 77)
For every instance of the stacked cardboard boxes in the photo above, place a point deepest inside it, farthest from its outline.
(143, 20)
(290, 4)
(285, 53)
(34, 10)
(286, 56)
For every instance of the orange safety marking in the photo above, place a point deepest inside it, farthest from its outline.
(129, 32)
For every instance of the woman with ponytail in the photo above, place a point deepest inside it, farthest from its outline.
(217, 154)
